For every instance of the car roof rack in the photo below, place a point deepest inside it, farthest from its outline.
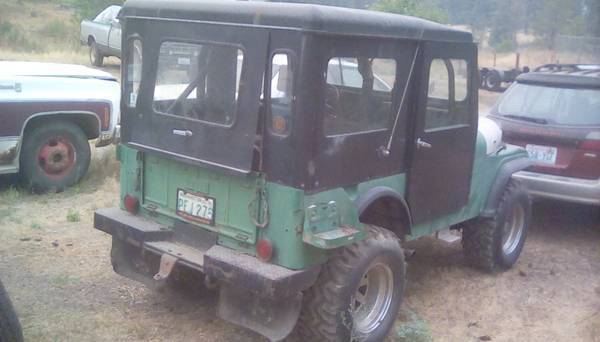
(574, 69)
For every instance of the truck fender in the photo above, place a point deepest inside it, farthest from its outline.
(502, 178)
(91, 126)
(398, 218)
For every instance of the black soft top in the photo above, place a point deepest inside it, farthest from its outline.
(566, 80)
(305, 17)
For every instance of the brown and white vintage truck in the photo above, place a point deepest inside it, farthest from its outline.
(48, 112)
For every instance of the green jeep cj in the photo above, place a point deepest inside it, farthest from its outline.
(291, 151)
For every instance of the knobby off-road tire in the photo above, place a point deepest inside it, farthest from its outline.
(331, 308)
(55, 155)
(96, 57)
(495, 243)
(10, 328)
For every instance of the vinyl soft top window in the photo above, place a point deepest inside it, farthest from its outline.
(358, 94)
(198, 81)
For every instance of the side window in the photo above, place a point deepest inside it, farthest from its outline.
(282, 81)
(358, 94)
(198, 81)
(133, 71)
(447, 94)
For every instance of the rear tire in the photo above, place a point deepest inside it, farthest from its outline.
(358, 293)
(10, 328)
(496, 243)
(55, 155)
(96, 57)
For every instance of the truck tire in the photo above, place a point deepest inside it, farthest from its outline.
(55, 155)
(496, 243)
(492, 80)
(358, 293)
(10, 328)
(96, 57)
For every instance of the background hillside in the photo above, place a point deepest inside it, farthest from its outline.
(541, 31)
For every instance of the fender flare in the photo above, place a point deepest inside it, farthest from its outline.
(49, 114)
(502, 178)
(364, 201)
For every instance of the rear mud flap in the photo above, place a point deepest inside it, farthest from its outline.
(272, 318)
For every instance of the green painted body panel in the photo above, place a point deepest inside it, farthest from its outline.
(302, 227)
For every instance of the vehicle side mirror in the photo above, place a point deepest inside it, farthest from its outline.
(115, 21)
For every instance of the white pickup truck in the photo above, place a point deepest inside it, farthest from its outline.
(102, 35)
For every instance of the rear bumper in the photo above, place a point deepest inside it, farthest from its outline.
(196, 249)
(568, 189)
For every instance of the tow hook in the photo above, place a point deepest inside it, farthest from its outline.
(167, 263)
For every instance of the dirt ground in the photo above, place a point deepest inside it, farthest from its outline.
(56, 268)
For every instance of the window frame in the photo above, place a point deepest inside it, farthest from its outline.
(451, 101)
(240, 47)
(293, 62)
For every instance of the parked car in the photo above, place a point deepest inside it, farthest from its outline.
(554, 113)
(295, 202)
(10, 327)
(102, 35)
(48, 112)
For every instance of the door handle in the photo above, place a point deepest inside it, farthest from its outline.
(183, 133)
(423, 144)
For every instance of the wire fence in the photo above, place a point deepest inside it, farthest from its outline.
(576, 49)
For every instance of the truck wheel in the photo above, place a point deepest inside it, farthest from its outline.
(358, 293)
(55, 155)
(496, 243)
(493, 81)
(10, 329)
(96, 57)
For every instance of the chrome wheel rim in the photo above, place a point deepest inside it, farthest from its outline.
(373, 298)
(513, 229)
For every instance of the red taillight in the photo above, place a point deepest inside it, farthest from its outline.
(264, 249)
(592, 145)
(131, 204)
(591, 142)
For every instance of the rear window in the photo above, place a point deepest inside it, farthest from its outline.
(552, 105)
(198, 81)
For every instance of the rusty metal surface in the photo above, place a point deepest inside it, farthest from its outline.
(167, 263)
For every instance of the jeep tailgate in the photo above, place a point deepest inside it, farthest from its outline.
(165, 181)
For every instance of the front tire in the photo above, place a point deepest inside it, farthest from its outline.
(496, 243)
(358, 293)
(55, 155)
(10, 328)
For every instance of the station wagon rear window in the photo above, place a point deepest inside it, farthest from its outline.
(198, 81)
(550, 105)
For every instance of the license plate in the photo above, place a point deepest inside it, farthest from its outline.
(196, 207)
(544, 154)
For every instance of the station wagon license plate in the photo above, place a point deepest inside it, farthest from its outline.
(544, 154)
(196, 207)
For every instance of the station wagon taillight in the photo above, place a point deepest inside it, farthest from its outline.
(132, 204)
(591, 142)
